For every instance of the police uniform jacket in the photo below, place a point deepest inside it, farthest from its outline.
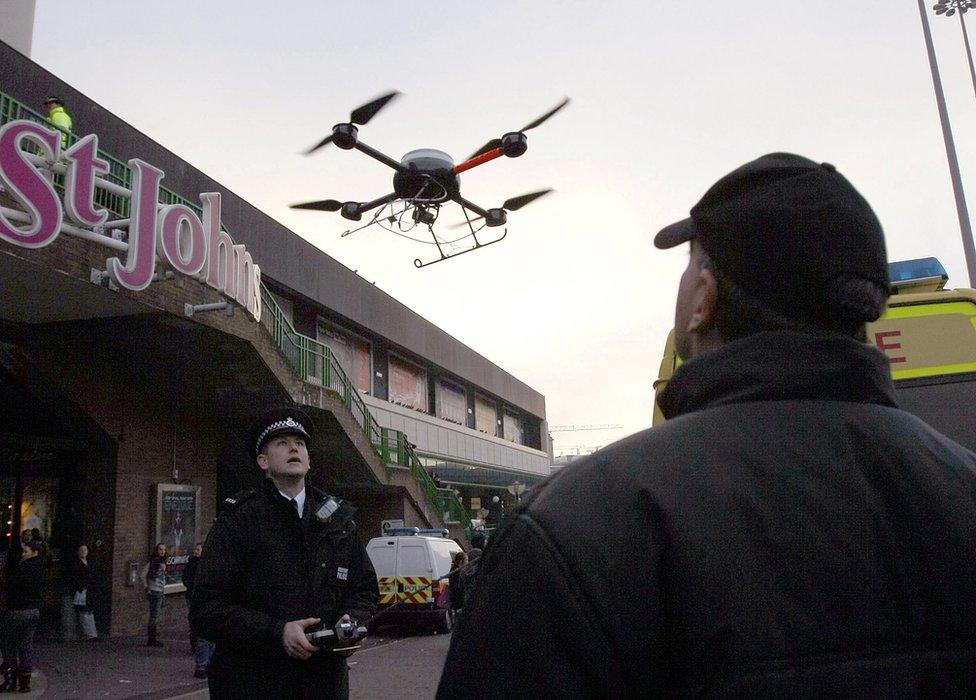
(789, 532)
(262, 567)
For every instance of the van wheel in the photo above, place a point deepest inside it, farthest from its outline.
(443, 621)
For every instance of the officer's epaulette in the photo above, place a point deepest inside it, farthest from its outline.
(233, 502)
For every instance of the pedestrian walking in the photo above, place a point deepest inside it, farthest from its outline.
(202, 649)
(154, 579)
(280, 561)
(24, 586)
(58, 115)
(788, 532)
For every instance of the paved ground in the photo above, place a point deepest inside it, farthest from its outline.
(390, 665)
(115, 668)
(404, 667)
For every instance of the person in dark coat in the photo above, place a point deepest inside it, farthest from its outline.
(280, 561)
(455, 594)
(25, 584)
(788, 532)
(202, 648)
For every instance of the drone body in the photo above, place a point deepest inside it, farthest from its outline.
(428, 175)
(423, 180)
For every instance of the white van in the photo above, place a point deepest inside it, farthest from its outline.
(412, 566)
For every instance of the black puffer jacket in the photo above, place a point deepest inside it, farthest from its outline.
(262, 567)
(788, 533)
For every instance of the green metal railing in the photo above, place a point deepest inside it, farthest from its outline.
(313, 360)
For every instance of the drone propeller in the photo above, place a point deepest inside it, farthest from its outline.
(323, 205)
(495, 143)
(511, 204)
(516, 203)
(361, 116)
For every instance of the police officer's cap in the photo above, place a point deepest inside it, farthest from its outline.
(55, 99)
(287, 420)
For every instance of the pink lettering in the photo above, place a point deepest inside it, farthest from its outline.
(28, 186)
(182, 241)
(79, 182)
(141, 259)
(255, 306)
(221, 266)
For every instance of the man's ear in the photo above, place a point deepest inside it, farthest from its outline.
(263, 461)
(703, 302)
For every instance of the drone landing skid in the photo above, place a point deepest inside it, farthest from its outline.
(477, 245)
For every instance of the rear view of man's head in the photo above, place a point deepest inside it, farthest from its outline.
(781, 243)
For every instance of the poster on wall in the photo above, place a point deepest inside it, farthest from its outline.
(176, 514)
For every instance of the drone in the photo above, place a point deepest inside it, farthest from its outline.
(423, 180)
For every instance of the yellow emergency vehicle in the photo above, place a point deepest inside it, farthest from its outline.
(928, 333)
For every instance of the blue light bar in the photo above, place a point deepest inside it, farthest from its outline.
(436, 531)
(394, 531)
(920, 268)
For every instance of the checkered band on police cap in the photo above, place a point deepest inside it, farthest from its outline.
(281, 421)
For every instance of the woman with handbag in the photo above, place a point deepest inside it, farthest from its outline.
(81, 584)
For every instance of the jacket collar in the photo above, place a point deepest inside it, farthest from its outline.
(780, 365)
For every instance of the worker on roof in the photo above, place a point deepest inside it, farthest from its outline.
(58, 115)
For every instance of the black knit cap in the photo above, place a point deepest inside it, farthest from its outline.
(781, 227)
(286, 420)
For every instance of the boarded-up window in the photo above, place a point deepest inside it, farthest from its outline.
(485, 416)
(352, 354)
(513, 427)
(451, 402)
(408, 384)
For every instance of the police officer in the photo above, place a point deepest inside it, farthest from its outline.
(281, 561)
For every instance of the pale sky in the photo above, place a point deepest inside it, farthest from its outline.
(667, 97)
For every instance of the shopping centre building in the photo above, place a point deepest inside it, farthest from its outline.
(148, 315)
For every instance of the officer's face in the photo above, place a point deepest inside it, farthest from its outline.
(284, 456)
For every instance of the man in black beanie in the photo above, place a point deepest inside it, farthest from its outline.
(789, 532)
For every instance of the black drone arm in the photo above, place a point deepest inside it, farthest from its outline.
(470, 205)
(384, 159)
(385, 199)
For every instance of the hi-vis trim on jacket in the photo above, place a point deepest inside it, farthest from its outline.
(388, 589)
(415, 589)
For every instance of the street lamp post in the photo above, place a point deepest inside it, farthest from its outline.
(949, 8)
(516, 489)
(963, 213)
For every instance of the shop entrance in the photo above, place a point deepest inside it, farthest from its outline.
(39, 492)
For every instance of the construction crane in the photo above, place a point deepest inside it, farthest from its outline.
(576, 450)
(576, 428)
